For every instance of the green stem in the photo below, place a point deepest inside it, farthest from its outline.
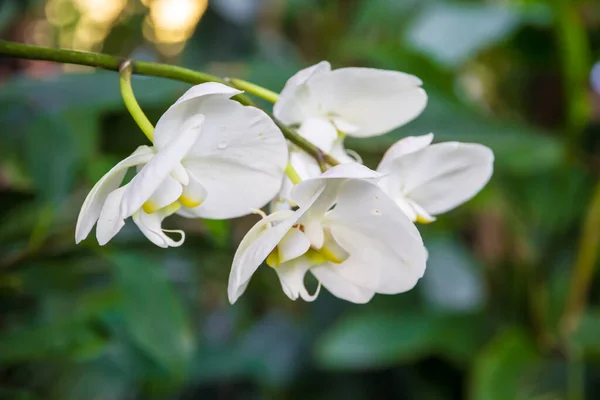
(291, 135)
(291, 173)
(131, 103)
(583, 271)
(111, 63)
(105, 61)
(575, 57)
(256, 90)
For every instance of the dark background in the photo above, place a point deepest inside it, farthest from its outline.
(132, 321)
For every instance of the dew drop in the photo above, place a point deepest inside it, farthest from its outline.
(222, 145)
(376, 212)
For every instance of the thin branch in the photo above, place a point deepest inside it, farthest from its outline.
(111, 63)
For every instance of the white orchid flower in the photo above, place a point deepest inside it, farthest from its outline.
(328, 105)
(212, 158)
(347, 232)
(429, 179)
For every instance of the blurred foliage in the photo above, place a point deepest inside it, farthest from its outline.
(132, 321)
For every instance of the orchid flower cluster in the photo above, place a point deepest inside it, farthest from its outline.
(351, 227)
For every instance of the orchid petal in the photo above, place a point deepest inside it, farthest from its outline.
(306, 167)
(152, 175)
(320, 132)
(295, 103)
(92, 206)
(341, 154)
(344, 126)
(376, 233)
(292, 245)
(444, 175)
(190, 104)
(258, 243)
(240, 159)
(375, 101)
(168, 192)
(313, 229)
(151, 227)
(328, 276)
(291, 275)
(110, 221)
(194, 193)
(302, 192)
(402, 147)
(254, 248)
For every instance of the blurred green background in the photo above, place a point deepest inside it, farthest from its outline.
(132, 321)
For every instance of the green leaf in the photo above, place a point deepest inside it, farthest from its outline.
(375, 340)
(518, 148)
(64, 92)
(51, 156)
(8, 12)
(501, 370)
(154, 316)
(587, 335)
(453, 281)
(268, 353)
(218, 230)
(71, 338)
(452, 33)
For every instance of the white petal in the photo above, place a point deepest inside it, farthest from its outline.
(291, 275)
(344, 126)
(168, 192)
(295, 103)
(320, 132)
(386, 251)
(258, 243)
(254, 248)
(302, 192)
(180, 174)
(375, 101)
(313, 229)
(402, 147)
(292, 245)
(188, 105)
(90, 211)
(350, 170)
(304, 164)
(152, 175)
(339, 153)
(110, 221)
(239, 158)
(194, 193)
(444, 175)
(340, 287)
(306, 167)
(151, 227)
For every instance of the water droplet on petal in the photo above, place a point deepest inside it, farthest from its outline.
(376, 212)
(222, 145)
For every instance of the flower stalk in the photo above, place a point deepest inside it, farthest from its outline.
(146, 68)
(254, 89)
(131, 103)
(291, 173)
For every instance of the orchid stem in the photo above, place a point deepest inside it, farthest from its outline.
(291, 173)
(131, 103)
(254, 89)
(111, 63)
(294, 137)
